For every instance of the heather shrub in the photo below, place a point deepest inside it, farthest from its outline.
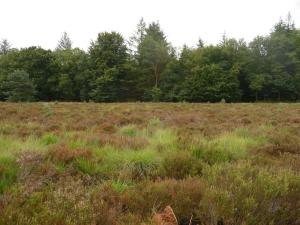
(107, 204)
(36, 171)
(179, 165)
(281, 141)
(64, 203)
(131, 219)
(122, 142)
(103, 164)
(138, 170)
(245, 194)
(63, 154)
(149, 197)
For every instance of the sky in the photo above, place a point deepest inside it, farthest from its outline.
(41, 22)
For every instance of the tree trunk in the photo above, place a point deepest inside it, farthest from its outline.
(156, 75)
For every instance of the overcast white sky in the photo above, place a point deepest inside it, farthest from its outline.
(41, 22)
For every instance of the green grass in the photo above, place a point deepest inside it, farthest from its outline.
(228, 147)
(49, 139)
(8, 172)
(129, 130)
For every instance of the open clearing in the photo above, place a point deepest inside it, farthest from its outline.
(106, 164)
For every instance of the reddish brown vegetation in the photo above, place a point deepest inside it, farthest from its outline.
(167, 217)
(104, 118)
(121, 142)
(64, 154)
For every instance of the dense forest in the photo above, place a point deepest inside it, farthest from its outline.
(148, 68)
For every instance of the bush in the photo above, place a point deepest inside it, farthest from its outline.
(149, 197)
(179, 165)
(64, 203)
(246, 194)
(280, 142)
(63, 154)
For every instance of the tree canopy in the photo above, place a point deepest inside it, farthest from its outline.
(148, 68)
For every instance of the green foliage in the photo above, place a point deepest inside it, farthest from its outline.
(235, 192)
(49, 139)
(153, 54)
(149, 68)
(179, 165)
(108, 55)
(105, 88)
(129, 130)
(18, 87)
(229, 147)
(85, 166)
(8, 172)
(119, 186)
(211, 82)
(257, 82)
(5, 47)
(64, 43)
(149, 197)
(155, 94)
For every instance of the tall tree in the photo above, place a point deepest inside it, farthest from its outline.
(153, 55)
(108, 55)
(5, 46)
(136, 39)
(283, 56)
(213, 76)
(42, 69)
(18, 87)
(64, 43)
(73, 74)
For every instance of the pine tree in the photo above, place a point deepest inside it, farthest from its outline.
(64, 43)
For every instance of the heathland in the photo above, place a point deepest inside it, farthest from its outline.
(106, 164)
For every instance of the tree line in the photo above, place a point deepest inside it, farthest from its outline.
(148, 68)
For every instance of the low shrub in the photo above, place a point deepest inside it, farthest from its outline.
(122, 142)
(246, 194)
(281, 141)
(149, 197)
(179, 165)
(63, 154)
(64, 203)
(138, 170)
